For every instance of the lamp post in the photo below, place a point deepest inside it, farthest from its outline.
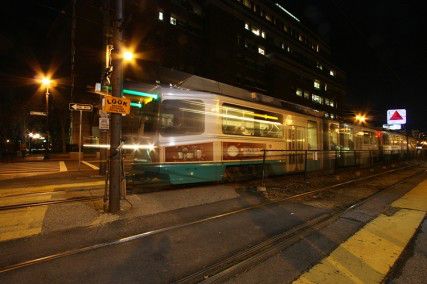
(360, 118)
(46, 82)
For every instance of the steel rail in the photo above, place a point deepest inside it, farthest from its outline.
(49, 192)
(246, 258)
(49, 202)
(71, 252)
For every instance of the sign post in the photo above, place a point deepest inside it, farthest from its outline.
(80, 108)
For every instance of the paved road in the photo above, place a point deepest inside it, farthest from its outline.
(168, 256)
(31, 168)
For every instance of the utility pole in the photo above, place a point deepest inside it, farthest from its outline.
(116, 118)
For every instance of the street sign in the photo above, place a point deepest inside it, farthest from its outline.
(80, 107)
(104, 123)
(38, 113)
(396, 116)
(116, 105)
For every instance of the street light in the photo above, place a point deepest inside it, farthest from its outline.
(46, 82)
(360, 118)
(128, 56)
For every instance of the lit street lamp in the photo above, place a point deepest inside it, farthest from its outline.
(360, 118)
(46, 83)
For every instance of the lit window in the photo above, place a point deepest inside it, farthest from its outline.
(288, 49)
(285, 28)
(161, 16)
(300, 38)
(247, 3)
(283, 46)
(332, 73)
(263, 34)
(317, 99)
(298, 92)
(327, 102)
(306, 95)
(319, 66)
(332, 116)
(317, 84)
(247, 26)
(331, 103)
(255, 31)
(261, 51)
(317, 48)
(268, 17)
(173, 21)
(326, 87)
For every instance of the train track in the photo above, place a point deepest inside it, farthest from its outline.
(226, 267)
(49, 202)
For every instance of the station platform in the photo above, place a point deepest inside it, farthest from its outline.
(368, 255)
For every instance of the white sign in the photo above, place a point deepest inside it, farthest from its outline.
(396, 116)
(80, 107)
(104, 123)
(39, 113)
(392, 126)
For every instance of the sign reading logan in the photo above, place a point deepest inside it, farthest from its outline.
(116, 105)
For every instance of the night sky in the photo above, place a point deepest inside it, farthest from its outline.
(379, 44)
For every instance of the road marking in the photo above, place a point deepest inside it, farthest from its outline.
(416, 199)
(62, 166)
(369, 254)
(22, 222)
(90, 165)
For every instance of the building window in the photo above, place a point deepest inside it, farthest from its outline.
(298, 92)
(306, 95)
(300, 38)
(317, 48)
(173, 21)
(255, 31)
(332, 73)
(263, 34)
(268, 17)
(246, 26)
(316, 84)
(283, 46)
(326, 87)
(161, 16)
(261, 50)
(247, 3)
(317, 99)
(285, 28)
(319, 66)
(288, 49)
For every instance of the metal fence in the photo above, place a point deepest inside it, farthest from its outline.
(276, 162)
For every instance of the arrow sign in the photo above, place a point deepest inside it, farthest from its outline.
(80, 107)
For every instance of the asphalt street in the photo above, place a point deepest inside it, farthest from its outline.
(168, 256)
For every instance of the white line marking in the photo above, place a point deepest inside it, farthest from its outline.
(90, 165)
(62, 166)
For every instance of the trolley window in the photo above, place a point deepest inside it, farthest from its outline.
(250, 122)
(182, 117)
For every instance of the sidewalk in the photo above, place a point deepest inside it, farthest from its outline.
(25, 222)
